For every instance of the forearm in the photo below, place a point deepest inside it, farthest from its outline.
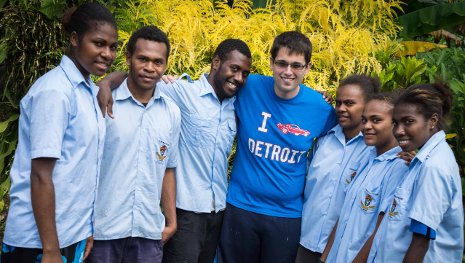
(417, 249)
(168, 197)
(43, 203)
(325, 253)
(112, 80)
(363, 254)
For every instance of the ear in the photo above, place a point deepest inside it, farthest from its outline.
(74, 39)
(271, 63)
(128, 59)
(307, 68)
(216, 63)
(434, 120)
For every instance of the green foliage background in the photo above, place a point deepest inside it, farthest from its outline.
(348, 36)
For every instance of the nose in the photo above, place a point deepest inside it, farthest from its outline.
(288, 70)
(239, 77)
(398, 130)
(108, 54)
(367, 125)
(149, 67)
(340, 108)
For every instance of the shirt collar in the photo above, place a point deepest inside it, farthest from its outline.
(73, 74)
(123, 93)
(206, 89)
(389, 155)
(205, 86)
(339, 133)
(424, 152)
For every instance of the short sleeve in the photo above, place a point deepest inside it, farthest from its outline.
(419, 228)
(432, 196)
(177, 91)
(49, 112)
(173, 160)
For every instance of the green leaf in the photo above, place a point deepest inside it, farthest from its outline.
(425, 20)
(4, 124)
(52, 9)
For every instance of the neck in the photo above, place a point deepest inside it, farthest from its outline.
(386, 147)
(84, 73)
(287, 95)
(140, 94)
(351, 133)
(215, 89)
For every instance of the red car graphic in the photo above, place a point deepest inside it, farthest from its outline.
(292, 128)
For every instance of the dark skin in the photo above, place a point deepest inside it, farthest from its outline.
(43, 206)
(330, 243)
(417, 250)
(363, 254)
(168, 204)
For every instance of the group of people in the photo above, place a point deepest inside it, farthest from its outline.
(140, 174)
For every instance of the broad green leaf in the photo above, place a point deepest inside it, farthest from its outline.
(4, 124)
(428, 19)
(451, 135)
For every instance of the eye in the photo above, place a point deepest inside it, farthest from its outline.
(376, 120)
(114, 47)
(297, 66)
(159, 62)
(281, 63)
(364, 120)
(394, 123)
(99, 43)
(234, 68)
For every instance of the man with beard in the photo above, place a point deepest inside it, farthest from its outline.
(135, 209)
(207, 132)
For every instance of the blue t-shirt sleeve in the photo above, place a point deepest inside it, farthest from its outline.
(422, 229)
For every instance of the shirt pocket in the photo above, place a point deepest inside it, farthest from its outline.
(230, 133)
(349, 174)
(199, 132)
(369, 200)
(398, 207)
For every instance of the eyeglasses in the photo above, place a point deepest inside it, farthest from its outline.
(295, 66)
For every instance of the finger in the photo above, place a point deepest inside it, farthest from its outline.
(110, 109)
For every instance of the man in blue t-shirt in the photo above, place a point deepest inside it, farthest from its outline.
(278, 120)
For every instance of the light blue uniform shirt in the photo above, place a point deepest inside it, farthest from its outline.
(365, 199)
(141, 142)
(331, 170)
(431, 193)
(60, 118)
(208, 128)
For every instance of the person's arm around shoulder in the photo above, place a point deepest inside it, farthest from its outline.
(106, 85)
(43, 206)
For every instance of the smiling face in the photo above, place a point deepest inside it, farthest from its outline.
(228, 76)
(95, 51)
(411, 129)
(288, 78)
(147, 64)
(350, 101)
(377, 125)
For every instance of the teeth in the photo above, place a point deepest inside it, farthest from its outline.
(231, 85)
